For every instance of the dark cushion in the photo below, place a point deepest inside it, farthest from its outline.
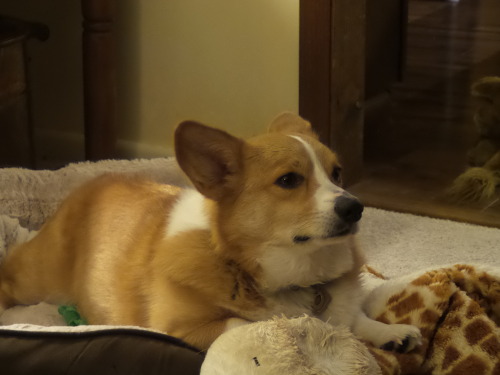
(112, 351)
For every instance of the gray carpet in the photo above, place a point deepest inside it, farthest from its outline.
(397, 244)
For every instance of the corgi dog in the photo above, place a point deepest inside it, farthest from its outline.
(267, 230)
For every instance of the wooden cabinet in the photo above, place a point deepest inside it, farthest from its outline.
(402, 144)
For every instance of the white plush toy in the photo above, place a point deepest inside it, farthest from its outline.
(300, 346)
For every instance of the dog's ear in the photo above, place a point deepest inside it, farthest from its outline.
(289, 122)
(211, 158)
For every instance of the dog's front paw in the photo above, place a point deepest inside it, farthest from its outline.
(404, 338)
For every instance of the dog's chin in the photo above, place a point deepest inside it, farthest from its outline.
(336, 235)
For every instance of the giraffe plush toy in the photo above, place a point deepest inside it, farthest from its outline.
(457, 309)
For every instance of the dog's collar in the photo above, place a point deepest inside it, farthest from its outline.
(244, 283)
(321, 299)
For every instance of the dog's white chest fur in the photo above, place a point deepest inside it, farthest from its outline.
(304, 268)
(188, 213)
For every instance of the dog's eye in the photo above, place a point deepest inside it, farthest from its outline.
(290, 180)
(337, 175)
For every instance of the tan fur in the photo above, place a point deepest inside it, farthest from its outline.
(107, 248)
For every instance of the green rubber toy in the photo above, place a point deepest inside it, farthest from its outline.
(71, 316)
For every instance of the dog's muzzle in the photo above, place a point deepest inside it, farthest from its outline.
(348, 208)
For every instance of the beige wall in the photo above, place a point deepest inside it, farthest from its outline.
(233, 64)
(228, 63)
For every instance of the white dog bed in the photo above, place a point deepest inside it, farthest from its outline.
(396, 244)
(34, 339)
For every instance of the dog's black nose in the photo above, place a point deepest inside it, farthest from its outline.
(348, 209)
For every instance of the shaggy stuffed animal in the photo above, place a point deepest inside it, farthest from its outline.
(457, 309)
(481, 181)
(301, 346)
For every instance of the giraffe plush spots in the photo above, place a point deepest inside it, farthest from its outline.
(457, 309)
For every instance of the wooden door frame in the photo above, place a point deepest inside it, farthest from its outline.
(99, 78)
(332, 76)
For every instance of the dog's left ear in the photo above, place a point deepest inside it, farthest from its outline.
(211, 158)
(289, 122)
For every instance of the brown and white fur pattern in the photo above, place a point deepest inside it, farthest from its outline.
(268, 231)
